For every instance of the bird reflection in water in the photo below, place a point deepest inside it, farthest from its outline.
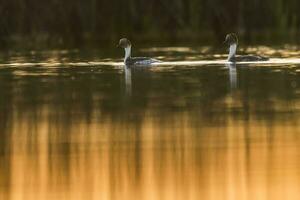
(128, 80)
(232, 75)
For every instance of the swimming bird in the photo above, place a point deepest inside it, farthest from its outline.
(232, 40)
(128, 60)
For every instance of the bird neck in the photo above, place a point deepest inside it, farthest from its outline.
(232, 51)
(127, 53)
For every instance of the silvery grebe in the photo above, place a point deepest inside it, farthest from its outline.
(232, 40)
(128, 60)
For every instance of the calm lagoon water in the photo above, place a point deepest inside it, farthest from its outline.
(79, 125)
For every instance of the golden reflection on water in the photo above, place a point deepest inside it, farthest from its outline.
(183, 131)
(158, 158)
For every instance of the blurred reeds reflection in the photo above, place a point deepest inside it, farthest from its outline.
(169, 157)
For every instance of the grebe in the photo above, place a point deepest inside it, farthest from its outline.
(232, 40)
(128, 60)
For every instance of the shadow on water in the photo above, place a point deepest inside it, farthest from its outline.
(215, 131)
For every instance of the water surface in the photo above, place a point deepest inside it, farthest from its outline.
(79, 125)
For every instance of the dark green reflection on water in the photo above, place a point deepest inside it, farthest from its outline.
(170, 132)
